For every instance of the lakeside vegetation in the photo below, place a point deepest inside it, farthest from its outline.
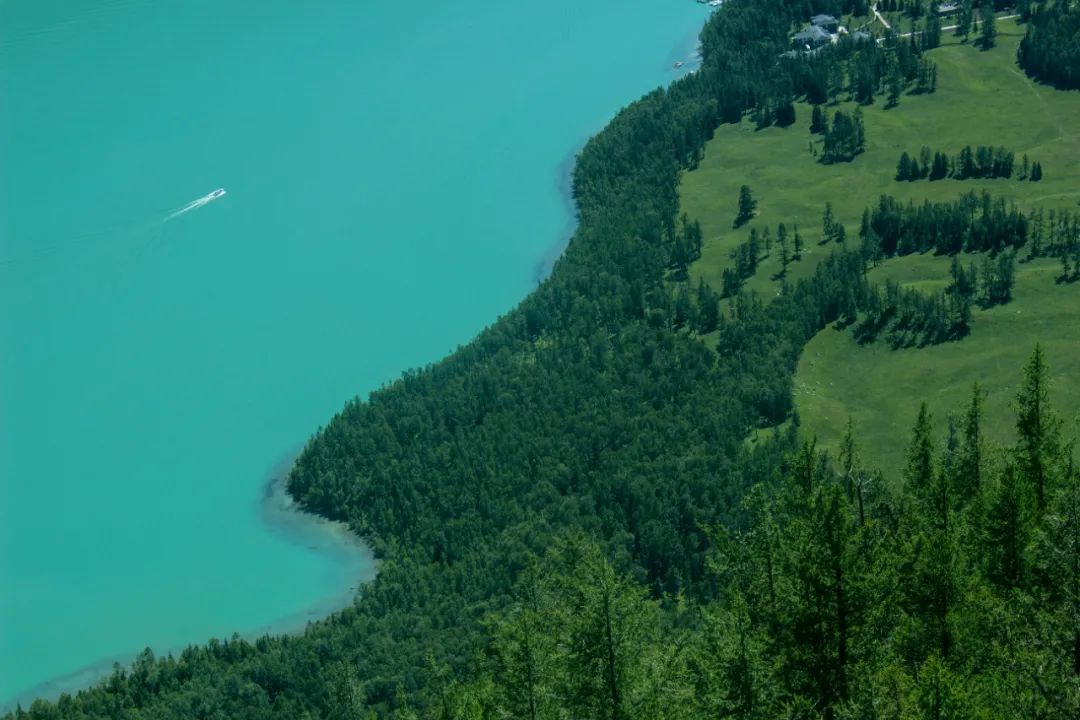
(570, 521)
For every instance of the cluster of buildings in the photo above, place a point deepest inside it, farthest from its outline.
(822, 30)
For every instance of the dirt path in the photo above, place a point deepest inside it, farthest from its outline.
(881, 18)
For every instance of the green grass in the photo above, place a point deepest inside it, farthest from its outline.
(982, 99)
(880, 389)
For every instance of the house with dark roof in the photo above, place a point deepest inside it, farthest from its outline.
(826, 22)
(810, 37)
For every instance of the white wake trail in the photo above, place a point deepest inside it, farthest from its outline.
(209, 197)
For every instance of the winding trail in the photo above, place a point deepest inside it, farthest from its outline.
(1042, 101)
(881, 18)
(974, 25)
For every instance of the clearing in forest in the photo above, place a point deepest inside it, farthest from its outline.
(982, 98)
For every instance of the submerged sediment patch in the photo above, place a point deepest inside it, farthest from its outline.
(354, 564)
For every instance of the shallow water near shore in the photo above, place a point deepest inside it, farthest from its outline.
(395, 177)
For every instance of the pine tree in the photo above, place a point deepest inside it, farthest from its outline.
(940, 694)
(987, 26)
(785, 256)
(931, 37)
(606, 626)
(731, 283)
(919, 470)
(870, 248)
(708, 305)
(969, 465)
(523, 643)
(785, 111)
(1057, 560)
(836, 86)
(828, 224)
(1038, 429)
(824, 608)
(903, 168)
(859, 139)
(963, 19)
(733, 671)
(733, 658)
(1008, 529)
(752, 254)
(896, 85)
(849, 459)
(747, 206)
(346, 696)
(684, 311)
(939, 167)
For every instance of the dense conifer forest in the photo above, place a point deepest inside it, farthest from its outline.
(1050, 51)
(571, 524)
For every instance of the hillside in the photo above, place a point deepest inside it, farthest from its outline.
(982, 98)
(570, 520)
(881, 388)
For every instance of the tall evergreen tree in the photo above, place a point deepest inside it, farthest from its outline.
(828, 224)
(735, 675)
(1057, 556)
(964, 18)
(523, 642)
(987, 26)
(609, 624)
(708, 305)
(895, 84)
(919, 470)
(903, 167)
(747, 205)
(1008, 528)
(970, 464)
(1038, 429)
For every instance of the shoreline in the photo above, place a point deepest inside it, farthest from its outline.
(353, 560)
(280, 512)
(565, 183)
(688, 52)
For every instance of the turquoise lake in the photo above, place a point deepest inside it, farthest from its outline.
(395, 177)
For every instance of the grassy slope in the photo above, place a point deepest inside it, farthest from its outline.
(881, 388)
(982, 98)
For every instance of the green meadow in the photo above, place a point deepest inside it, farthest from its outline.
(880, 389)
(982, 98)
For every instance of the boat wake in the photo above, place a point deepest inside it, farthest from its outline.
(119, 239)
(209, 197)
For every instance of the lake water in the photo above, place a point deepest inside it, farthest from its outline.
(395, 177)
